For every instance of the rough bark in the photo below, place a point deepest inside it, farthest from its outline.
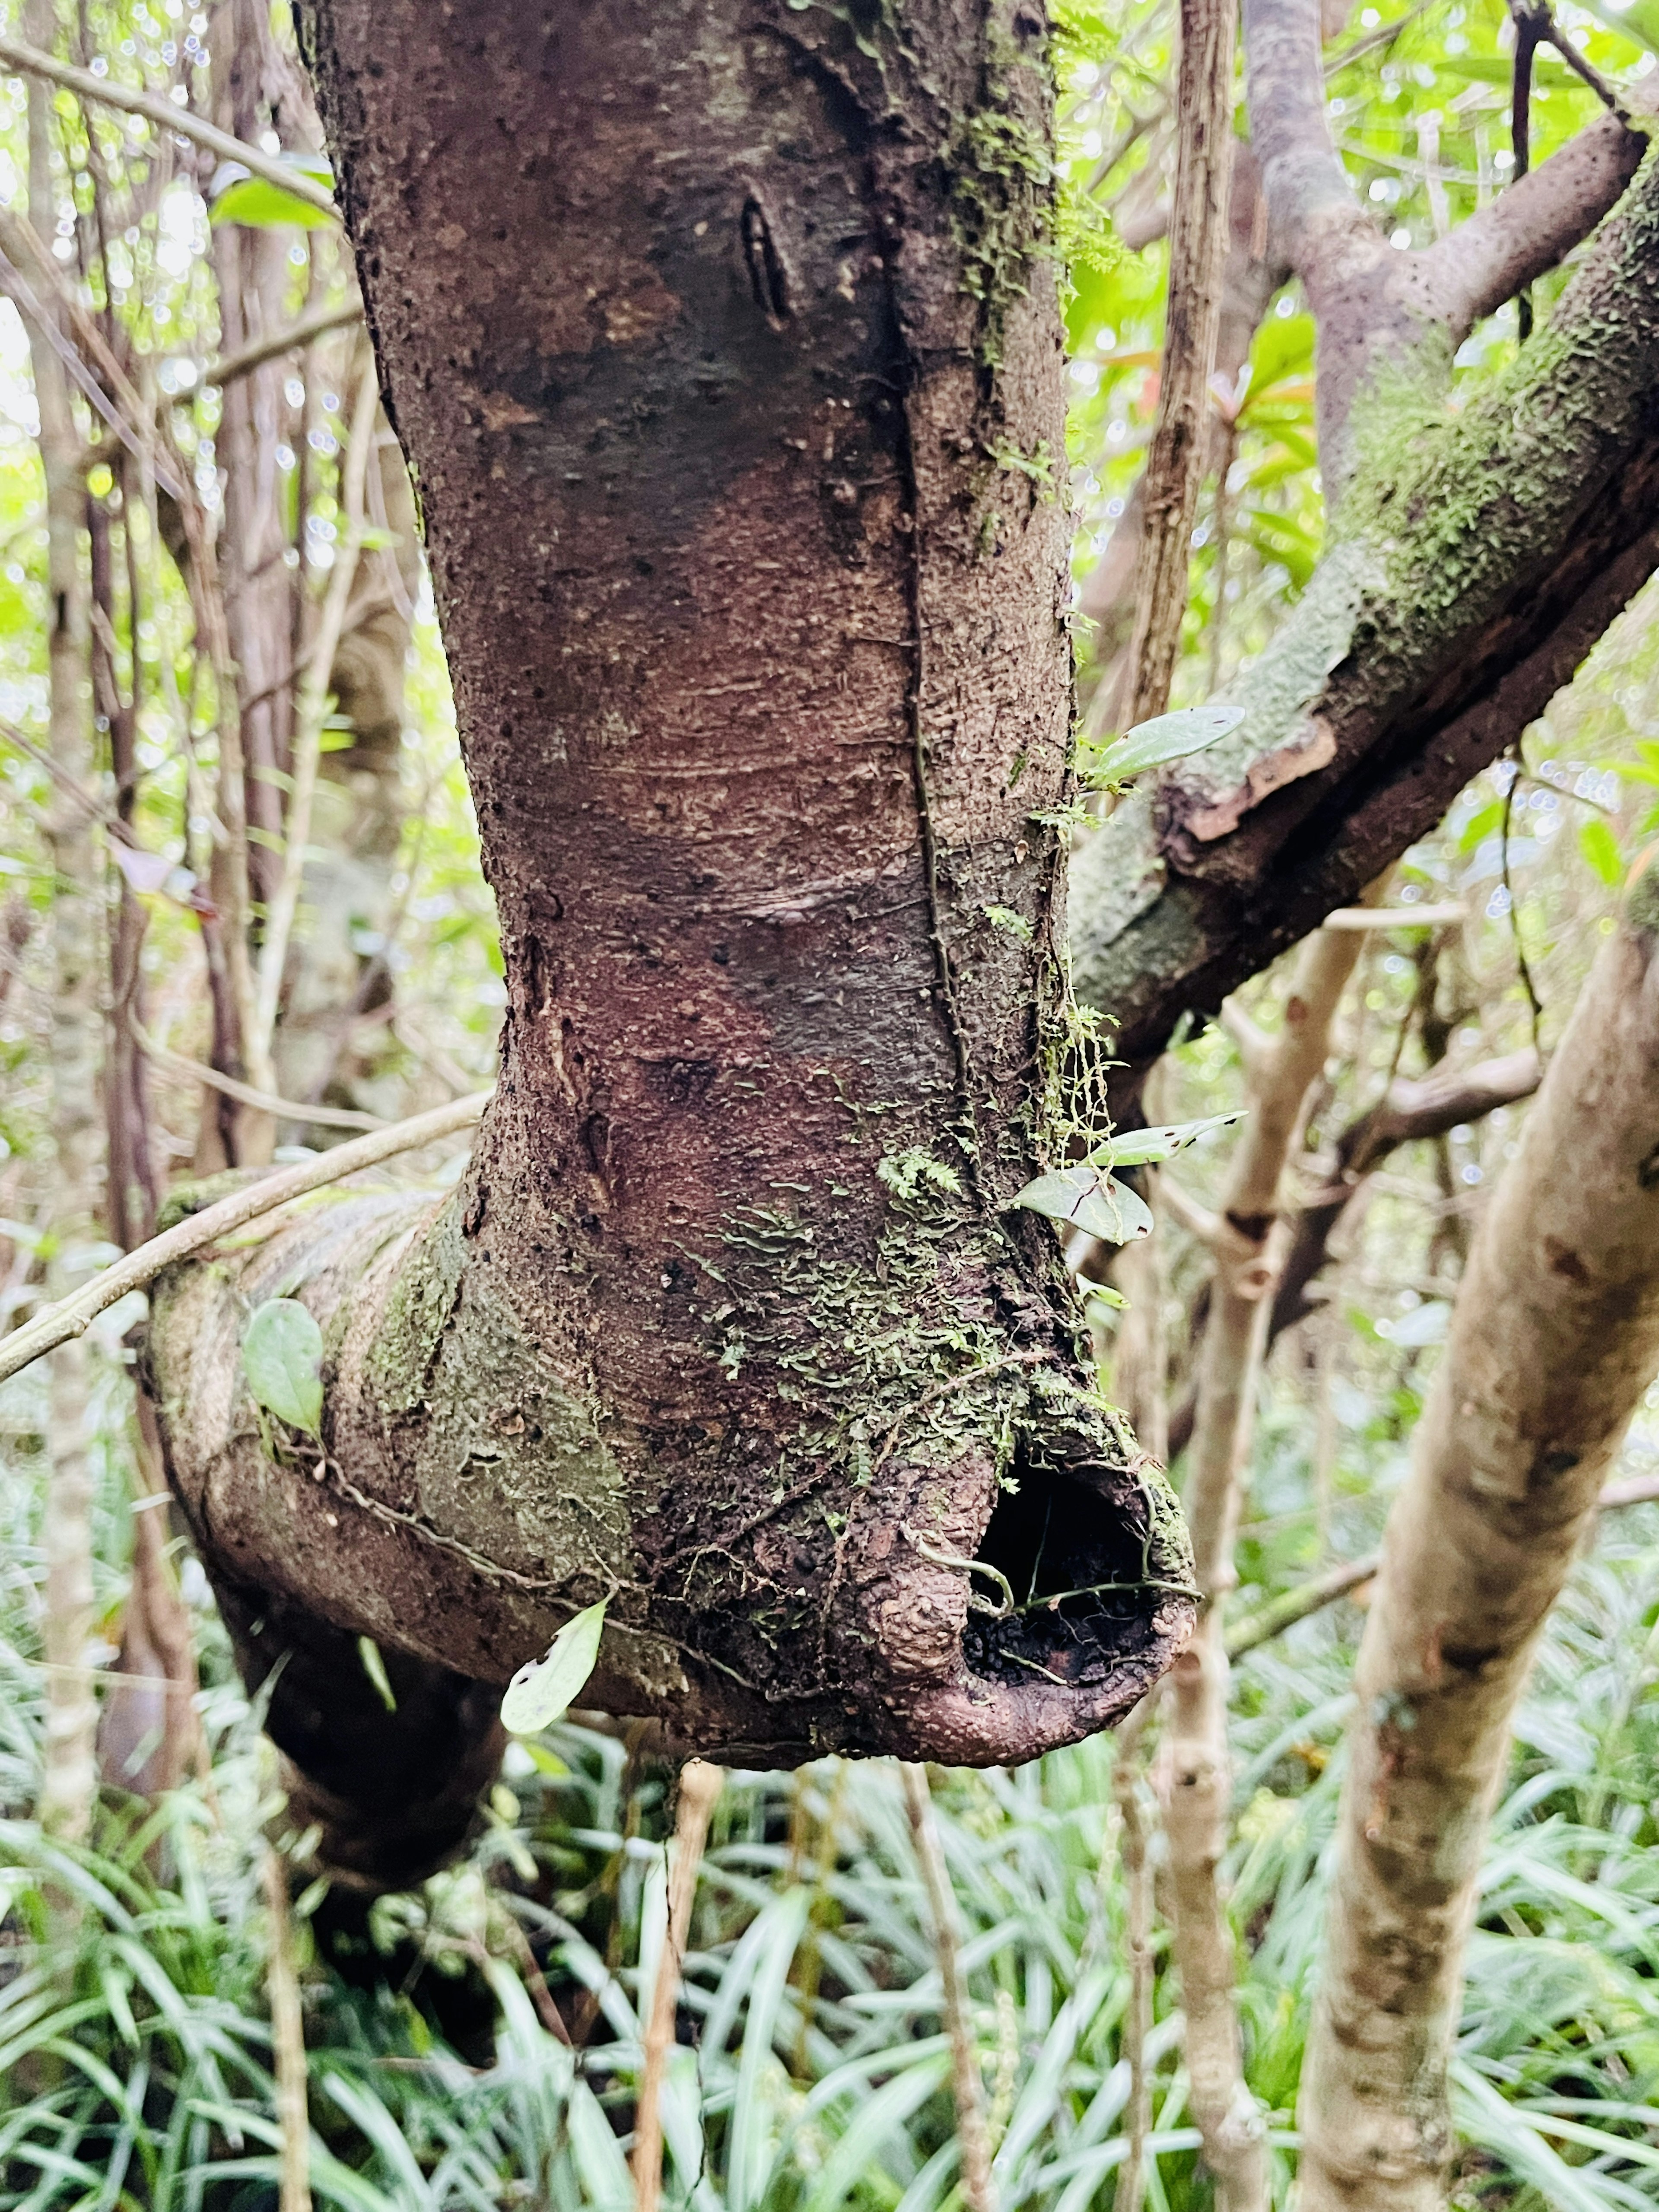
(1107, 596)
(1472, 565)
(1198, 246)
(1554, 1337)
(714, 334)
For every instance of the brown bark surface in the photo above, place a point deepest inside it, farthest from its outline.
(716, 336)
(1198, 248)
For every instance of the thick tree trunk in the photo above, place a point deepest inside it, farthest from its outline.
(1555, 1338)
(1472, 565)
(724, 342)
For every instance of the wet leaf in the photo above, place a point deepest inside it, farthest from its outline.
(374, 1667)
(1166, 737)
(1090, 1201)
(539, 1692)
(1136, 1148)
(282, 1359)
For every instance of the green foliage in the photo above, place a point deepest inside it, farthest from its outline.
(541, 1692)
(283, 1360)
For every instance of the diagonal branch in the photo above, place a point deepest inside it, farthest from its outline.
(1373, 304)
(1530, 227)
(72, 1316)
(1476, 564)
(167, 115)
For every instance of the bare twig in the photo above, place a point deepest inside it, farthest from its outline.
(288, 2037)
(248, 358)
(1435, 916)
(71, 1316)
(310, 711)
(1129, 1797)
(1198, 244)
(1307, 1598)
(245, 1094)
(978, 2191)
(700, 1783)
(134, 100)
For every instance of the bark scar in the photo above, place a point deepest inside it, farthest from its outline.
(1312, 746)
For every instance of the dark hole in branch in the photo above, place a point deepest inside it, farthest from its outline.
(1074, 1559)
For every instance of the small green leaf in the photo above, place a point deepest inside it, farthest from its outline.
(1089, 1200)
(539, 1692)
(1600, 848)
(1138, 1148)
(1166, 737)
(1103, 1294)
(282, 1359)
(374, 1667)
(257, 204)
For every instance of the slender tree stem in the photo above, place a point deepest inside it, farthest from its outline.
(288, 2037)
(71, 1316)
(312, 709)
(70, 1779)
(978, 2190)
(1129, 1797)
(1555, 1338)
(700, 1783)
(1198, 244)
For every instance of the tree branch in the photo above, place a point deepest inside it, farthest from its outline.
(134, 99)
(246, 359)
(1531, 227)
(1554, 1338)
(72, 1316)
(1475, 564)
(1411, 1110)
(1309, 198)
(1198, 244)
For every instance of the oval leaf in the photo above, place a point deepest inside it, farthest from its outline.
(539, 1692)
(1138, 1148)
(258, 204)
(1086, 1200)
(282, 1359)
(1166, 737)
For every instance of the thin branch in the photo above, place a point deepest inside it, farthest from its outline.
(1308, 1598)
(1130, 1799)
(288, 2037)
(1197, 1220)
(72, 1316)
(246, 359)
(1397, 917)
(1532, 225)
(700, 1783)
(978, 2190)
(262, 1102)
(133, 99)
(1298, 1604)
(1198, 247)
(310, 709)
